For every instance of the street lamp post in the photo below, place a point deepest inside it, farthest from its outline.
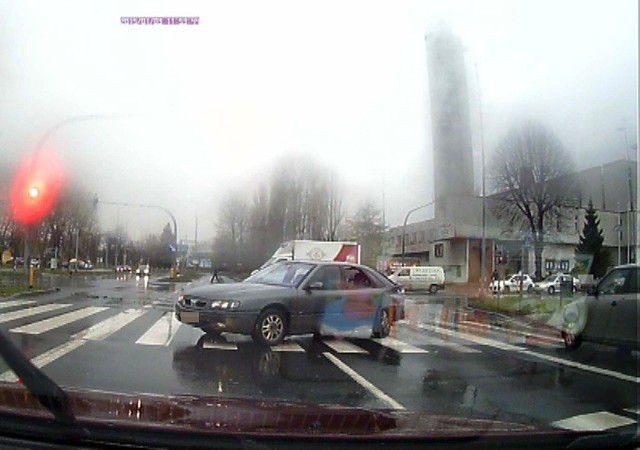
(404, 226)
(162, 208)
(631, 238)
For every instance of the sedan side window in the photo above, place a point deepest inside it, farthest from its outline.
(356, 279)
(329, 276)
(614, 283)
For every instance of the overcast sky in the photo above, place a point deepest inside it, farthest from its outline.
(206, 108)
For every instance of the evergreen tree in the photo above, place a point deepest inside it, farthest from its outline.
(591, 243)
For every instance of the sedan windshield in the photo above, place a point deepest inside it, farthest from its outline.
(281, 274)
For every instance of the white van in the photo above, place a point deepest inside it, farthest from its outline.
(419, 277)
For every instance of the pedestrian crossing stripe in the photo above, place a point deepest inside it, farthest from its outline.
(162, 332)
(342, 346)
(45, 325)
(399, 346)
(12, 303)
(31, 311)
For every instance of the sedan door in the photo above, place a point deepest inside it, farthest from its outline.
(319, 291)
(609, 294)
(624, 319)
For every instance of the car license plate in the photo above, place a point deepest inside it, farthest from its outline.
(190, 317)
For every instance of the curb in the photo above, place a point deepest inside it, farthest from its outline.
(34, 293)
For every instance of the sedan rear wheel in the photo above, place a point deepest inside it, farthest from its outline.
(433, 289)
(551, 290)
(384, 324)
(270, 328)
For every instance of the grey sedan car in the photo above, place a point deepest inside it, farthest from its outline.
(609, 314)
(295, 297)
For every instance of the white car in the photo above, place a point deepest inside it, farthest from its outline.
(513, 284)
(552, 283)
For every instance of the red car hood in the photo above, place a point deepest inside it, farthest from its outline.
(213, 415)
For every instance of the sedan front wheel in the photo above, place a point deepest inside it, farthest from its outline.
(270, 328)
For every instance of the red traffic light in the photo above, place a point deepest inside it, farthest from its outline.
(35, 187)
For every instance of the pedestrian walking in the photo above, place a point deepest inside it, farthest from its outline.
(215, 276)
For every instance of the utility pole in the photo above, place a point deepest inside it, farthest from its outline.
(404, 225)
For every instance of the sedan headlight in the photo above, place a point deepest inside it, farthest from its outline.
(225, 304)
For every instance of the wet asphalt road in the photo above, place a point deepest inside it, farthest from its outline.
(118, 334)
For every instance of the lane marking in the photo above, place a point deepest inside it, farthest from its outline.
(598, 421)
(513, 348)
(635, 411)
(11, 303)
(344, 347)
(399, 346)
(220, 345)
(98, 331)
(162, 332)
(289, 346)
(363, 382)
(21, 314)
(525, 334)
(45, 325)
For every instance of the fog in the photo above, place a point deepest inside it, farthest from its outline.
(184, 113)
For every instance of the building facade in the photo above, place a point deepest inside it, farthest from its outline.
(453, 239)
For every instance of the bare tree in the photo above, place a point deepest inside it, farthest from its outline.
(531, 174)
(366, 228)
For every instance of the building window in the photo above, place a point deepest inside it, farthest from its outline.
(399, 240)
(414, 237)
(427, 254)
(549, 264)
(564, 265)
(438, 250)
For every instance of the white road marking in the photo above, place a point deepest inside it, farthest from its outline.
(438, 342)
(288, 346)
(363, 382)
(513, 348)
(96, 332)
(635, 411)
(21, 314)
(109, 326)
(220, 345)
(399, 346)
(45, 325)
(342, 346)
(470, 324)
(598, 421)
(162, 332)
(12, 303)
(594, 369)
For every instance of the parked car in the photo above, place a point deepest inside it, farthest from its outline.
(608, 314)
(513, 284)
(553, 283)
(295, 297)
(123, 268)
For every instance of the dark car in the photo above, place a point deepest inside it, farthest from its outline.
(609, 314)
(324, 298)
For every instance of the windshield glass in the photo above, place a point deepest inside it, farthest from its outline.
(281, 274)
(369, 219)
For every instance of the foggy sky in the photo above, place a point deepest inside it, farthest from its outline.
(208, 108)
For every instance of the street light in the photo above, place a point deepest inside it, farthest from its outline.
(162, 208)
(404, 225)
(631, 238)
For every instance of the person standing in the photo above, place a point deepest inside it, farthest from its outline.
(215, 276)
